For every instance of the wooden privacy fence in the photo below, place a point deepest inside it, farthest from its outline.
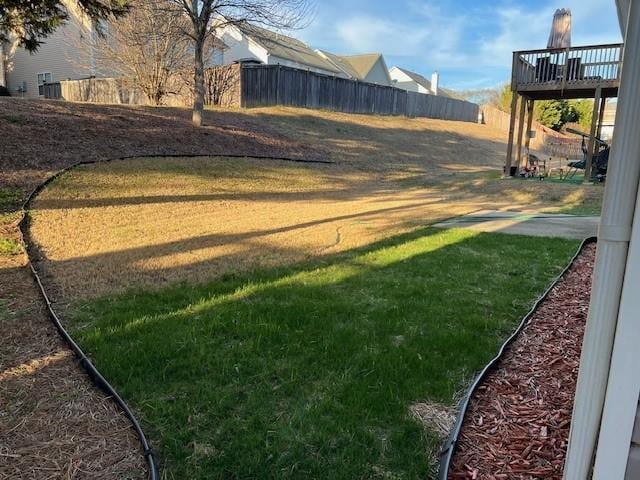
(269, 85)
(545, 140)
(52, 90)
(221, 88)
(97, 90)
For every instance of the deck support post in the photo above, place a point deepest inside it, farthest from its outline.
(527, 138)
(523, 104)
(512, 125)
(603, 105)
(592, 136)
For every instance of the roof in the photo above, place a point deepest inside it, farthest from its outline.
(361, 64)
(286, 47)
(416, 77)
(420, 80)
(356, 67)
(342, 64)
(445, 92)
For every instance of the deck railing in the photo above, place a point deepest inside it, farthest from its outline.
(574, 67)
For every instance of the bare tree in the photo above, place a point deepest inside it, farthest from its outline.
(208, 16)
(147, 45)
(221, 82)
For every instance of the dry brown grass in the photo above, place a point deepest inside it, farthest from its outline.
(391, 145)
(157, 221)
(151, 222)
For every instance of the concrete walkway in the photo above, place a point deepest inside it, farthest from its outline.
(521, 223)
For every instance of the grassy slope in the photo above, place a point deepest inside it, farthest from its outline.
(309, 371)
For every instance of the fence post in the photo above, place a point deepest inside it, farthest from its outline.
(306, 88)
(241, 85)
(278, 85)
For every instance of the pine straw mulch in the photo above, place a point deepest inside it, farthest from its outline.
(517, 424)
(55, 424)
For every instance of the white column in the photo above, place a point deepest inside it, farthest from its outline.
(623, 388)
(613, 240)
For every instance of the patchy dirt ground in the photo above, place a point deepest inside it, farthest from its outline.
(157, 221)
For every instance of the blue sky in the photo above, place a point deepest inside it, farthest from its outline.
(468, 42)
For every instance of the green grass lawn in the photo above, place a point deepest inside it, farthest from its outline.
(310, 371)
(9, 247)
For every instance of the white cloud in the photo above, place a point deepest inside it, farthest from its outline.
(515, 29)
(443, 36)
(431, 35)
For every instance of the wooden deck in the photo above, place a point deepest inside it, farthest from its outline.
(591, 71)
(574, 72)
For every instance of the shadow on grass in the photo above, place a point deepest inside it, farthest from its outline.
(309, 371)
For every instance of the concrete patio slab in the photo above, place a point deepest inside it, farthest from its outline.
(525, 223)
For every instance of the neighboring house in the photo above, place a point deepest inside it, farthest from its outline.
(248, 42)
(410, 81)
(608, 120)
(369, 67)
(62, 55)
(414, 82)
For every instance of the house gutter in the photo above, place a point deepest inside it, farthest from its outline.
(614, 236)
(623, 387)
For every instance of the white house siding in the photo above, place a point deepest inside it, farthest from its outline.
(217, 57)
(378, 74)
(410, 86)
(64, 54)
(240, 47)
(401, 80)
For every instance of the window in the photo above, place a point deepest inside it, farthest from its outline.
(44, 77)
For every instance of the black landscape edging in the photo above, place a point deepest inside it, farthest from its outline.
(94, 374)
(451, 443)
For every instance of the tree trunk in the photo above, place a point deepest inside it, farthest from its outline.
(198, 94)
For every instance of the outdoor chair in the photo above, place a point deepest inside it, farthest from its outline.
(545, 70)
(599, 162)
(575, 70)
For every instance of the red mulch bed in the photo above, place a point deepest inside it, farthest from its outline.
(517, 423)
